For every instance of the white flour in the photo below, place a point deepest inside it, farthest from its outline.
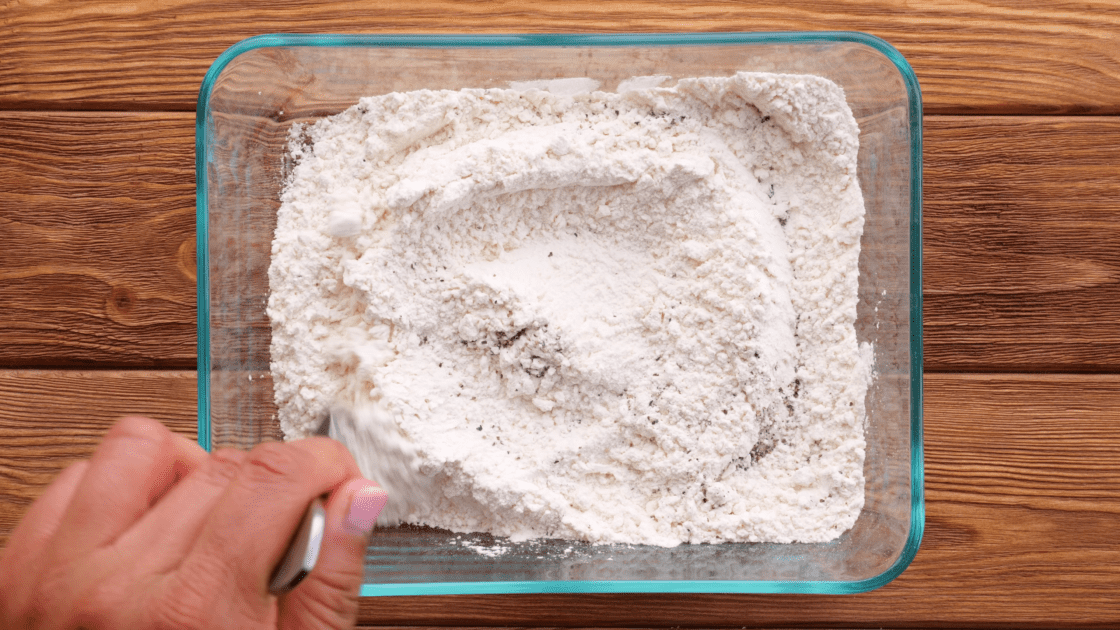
(615, 317)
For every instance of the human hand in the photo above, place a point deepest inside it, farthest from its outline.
(154, 532)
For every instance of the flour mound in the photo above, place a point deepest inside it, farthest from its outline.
(623, 318)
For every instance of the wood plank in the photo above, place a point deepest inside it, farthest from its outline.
(97, 220)
(1009, 56)
(53, 417)
(1021, 267)
(1021, 218)
(1023, 494)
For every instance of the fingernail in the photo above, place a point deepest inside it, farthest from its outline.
(364, 508)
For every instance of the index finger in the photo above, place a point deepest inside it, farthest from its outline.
(253, 521)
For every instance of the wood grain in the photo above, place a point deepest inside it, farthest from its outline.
(1009, 56)
(1023, 496)
(51, 418)
(1021, 267)
(97, 220)
(1021, 217)
(1021, 220)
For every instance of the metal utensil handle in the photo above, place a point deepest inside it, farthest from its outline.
(303, 551)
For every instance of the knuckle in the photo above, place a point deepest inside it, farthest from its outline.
(274, 462)
(333, 596)
(328, 450)
(224, 464)
(137, 427)
(331, 611)
(190, 597)
(206, 592)
(185, 609)
(96, 605)
(135, 434)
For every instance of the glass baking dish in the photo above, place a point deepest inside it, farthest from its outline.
(258, 88)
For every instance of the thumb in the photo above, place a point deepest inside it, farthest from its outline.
(328, 598)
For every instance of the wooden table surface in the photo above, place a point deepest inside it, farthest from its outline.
(1022, 276)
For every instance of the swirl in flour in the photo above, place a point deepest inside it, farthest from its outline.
(614, 317)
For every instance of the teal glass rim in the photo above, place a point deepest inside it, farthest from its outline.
(917, 468)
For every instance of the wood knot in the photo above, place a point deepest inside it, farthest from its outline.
(185, 259)
(122, 300)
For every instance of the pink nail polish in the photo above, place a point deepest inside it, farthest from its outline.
(364, 508)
